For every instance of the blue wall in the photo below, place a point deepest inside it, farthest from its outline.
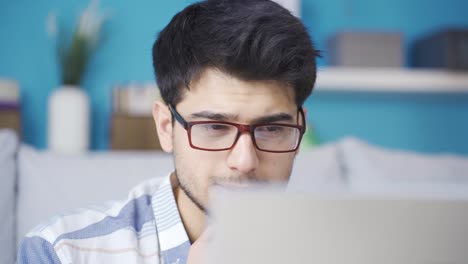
(415, 18)
(27, 55)
(427, 123)
(423, 123)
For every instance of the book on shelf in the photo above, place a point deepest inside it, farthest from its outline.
(9, 94)
(10, 115)
(132, 126)
(134, 99)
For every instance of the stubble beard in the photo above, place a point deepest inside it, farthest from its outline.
(186, 188)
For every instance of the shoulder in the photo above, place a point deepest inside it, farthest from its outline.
(115, 227)
(36, 250)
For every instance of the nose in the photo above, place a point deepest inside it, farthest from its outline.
(243, 157)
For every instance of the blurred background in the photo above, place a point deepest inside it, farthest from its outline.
(390, 106)
(376, 84)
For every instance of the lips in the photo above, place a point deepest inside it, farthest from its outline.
(239, 183)
(234, 185)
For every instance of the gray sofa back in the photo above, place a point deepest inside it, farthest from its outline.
(8, 150)
(36, 185)
(51, 184)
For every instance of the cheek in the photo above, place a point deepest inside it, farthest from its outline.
(198, 162)
(194, 167)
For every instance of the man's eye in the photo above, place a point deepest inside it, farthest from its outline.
(270, 129)
(215, 129)
(218, 127)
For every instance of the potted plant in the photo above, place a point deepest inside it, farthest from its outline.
(69, 107)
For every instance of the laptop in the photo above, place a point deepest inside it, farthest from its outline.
(275, 226)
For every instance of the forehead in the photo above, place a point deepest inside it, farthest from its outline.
(217, 91)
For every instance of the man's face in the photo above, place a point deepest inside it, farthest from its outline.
(236, 101)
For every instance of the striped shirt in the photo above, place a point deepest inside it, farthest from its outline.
(146, 228)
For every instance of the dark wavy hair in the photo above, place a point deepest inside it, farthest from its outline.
(248, 39)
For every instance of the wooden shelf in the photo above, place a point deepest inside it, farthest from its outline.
(391, 80)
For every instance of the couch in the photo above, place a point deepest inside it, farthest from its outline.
(39, 184)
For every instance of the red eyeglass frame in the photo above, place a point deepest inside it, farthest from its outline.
(240, 128)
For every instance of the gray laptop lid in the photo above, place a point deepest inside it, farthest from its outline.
(276, 227)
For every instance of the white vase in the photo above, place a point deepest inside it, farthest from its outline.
(68, 124)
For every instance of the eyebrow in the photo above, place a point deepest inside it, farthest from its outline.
(230, 117)
(273, 118)
(214, 116)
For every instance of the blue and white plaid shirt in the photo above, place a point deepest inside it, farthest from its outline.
(146, 228)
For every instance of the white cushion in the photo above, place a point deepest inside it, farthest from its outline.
(317, 168)
(8, 147)
(52, 183)
(368, 166)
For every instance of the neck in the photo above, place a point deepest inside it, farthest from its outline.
(192, 217)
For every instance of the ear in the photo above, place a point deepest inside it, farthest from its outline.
(304, 109)
(163, 121)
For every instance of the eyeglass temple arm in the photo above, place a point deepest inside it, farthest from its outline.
(178, 117)
(301, 111)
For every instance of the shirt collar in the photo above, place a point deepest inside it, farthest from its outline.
(173, 239)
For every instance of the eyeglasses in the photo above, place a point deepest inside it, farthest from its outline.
(220, 135)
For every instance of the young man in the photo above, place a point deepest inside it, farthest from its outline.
(233, 75)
